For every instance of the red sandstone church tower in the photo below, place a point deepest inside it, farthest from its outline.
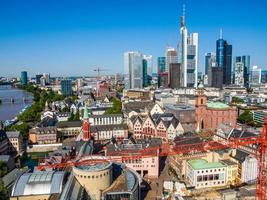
(200, 104)
(86, 136)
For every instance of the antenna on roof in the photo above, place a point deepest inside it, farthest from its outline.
(221, 33)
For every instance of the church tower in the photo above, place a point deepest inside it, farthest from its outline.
(86, 136)
(201, 106)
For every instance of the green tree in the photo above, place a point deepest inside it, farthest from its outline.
(3, 169)
(3, 192)
(116, 108)
(246, 117)
(22, 128)
(237, 100)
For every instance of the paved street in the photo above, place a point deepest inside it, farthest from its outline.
(156, 185)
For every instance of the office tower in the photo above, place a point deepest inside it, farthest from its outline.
(23, 78)
(255, 75)
(149, 62)
(38, 78)
(47, 78)
(133, 70)
(145, 75)
(161, 64)
(217, 77)
(245, 59)
(192, 60)
(162, 74)
(263, 76)
(239, 74)
(210, 61)
(189, 56)
(66, 87)
(224, 59)
(171, 58)
(174, 72)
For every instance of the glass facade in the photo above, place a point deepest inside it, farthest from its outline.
(145, 76)
(66, 87)
(24, 78)
(161, 64)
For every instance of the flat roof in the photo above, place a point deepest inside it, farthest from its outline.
(217, 105)
(94, 167)
(203, 164)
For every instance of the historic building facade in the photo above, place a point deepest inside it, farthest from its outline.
(211, 114)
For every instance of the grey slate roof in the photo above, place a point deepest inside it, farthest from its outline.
(69, 124)
(5, 158)
(12, 134)
(109, 127)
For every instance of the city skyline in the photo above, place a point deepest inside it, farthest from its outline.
(77, 37)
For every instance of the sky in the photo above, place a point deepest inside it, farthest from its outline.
(73, 37)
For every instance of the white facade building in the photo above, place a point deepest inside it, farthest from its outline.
(106, 119)
(203, 174)
(133, 70)
(239, 74)
(189, 57)
(255, 75)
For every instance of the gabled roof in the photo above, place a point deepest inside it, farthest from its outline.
(138, 107)
(240, 155)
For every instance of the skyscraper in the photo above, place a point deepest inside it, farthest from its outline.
(161, 64)
(149, 62)
(255, 75)
(239, 73)
(224, 59)
(162, 74)
(66, 87)
(38, 78)
(145, 75)
(174, 75)
(217, 77)
(189, 56)
(171, 58)
(133, 70)
(245, 59)
(24, 78)
(210, 61)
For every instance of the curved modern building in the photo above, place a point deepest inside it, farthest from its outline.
(94, 178)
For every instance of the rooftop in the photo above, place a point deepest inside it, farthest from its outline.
(38, 183)
(203, 164)
(12, 134)
(217, 105)
(95, 167)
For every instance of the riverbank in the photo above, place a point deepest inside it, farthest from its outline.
(9, 110)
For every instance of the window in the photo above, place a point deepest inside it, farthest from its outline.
(205, 178)
(199, 178)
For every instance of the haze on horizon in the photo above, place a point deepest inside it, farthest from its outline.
(71, 38)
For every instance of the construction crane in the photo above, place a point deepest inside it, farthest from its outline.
(98, 70)
(182, 148)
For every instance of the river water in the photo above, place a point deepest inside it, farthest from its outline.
(10, 110)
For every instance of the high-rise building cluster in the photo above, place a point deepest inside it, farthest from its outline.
(137, 70)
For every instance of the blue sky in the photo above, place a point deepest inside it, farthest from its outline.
(66, 37)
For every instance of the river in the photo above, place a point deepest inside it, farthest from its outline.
(10, 110)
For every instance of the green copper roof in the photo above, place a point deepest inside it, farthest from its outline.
(85, 113)
(217, 105)
(203, 164)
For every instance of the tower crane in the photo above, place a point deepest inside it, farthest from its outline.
(182, 148)
(98, 70)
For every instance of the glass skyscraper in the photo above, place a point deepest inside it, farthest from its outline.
(145, 76)
(66, 87)
(24, 78)
(133, 70)
(161, 64)
(246, 62)
(224, 59)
